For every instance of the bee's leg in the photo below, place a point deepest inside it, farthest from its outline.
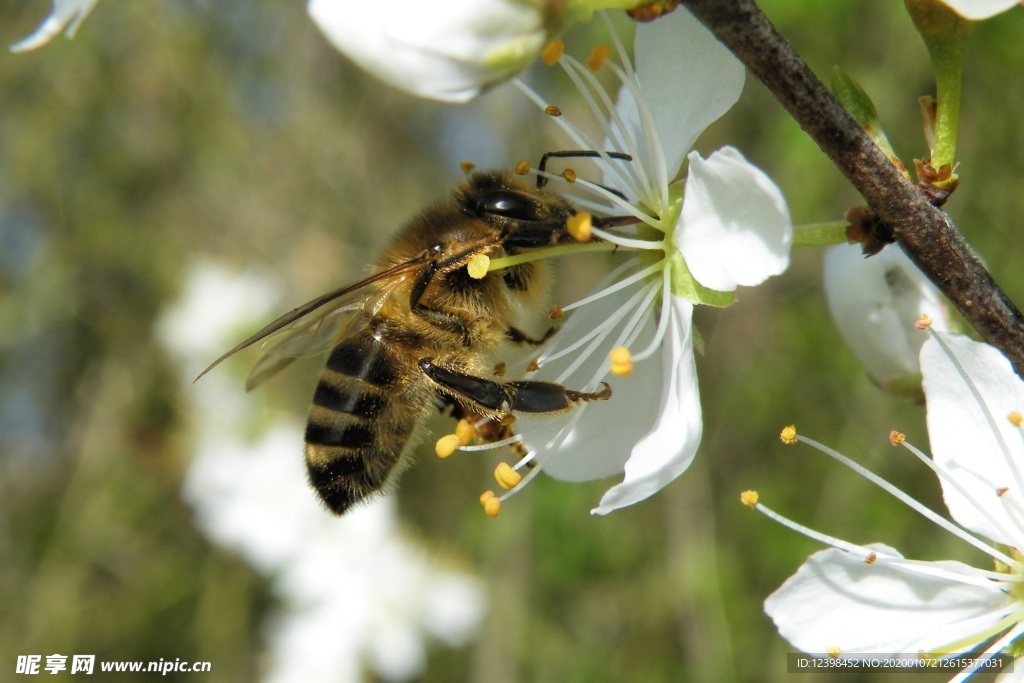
(517, 336)
(527, 396)
(446, 321)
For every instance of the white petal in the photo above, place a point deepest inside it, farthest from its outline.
(669, 448)
(836, 600)
(1014, 673)
(66, 13)
(735, 227)
(875, 302)
(604, 432)
(448, 51)
(974, 440)
(688, 80)
(980, 9)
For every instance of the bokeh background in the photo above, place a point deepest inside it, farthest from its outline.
(173, 144)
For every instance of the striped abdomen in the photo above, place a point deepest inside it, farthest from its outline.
(356, 435)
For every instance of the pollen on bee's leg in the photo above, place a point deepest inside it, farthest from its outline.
(621, 361)
(478, 265)
(788, 435)
(490, 503)
(579, 226)
(506, 477)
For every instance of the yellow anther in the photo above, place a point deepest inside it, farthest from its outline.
(1002, 491)
(464, 432)
(749, 498)
(598, 57)
(522, 167)
(622, 361)
(467, 167)
(506, 477)
(478, 266)
(556, 313)
(578, 226)
(788, 435)
(569, 176)
(552, 51)
(896, 438)
(833, 652)
(870, 559)
(447, 445)
(533, 366)
(1015, 418)
(552, 110)
(924, 322)
(491, 503)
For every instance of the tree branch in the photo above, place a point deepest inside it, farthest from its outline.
(927, 234)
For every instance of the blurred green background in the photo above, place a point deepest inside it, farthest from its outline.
(172, 133)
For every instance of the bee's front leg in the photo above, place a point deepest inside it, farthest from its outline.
(517, 336)
(493, 398)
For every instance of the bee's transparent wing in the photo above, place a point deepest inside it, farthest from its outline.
(304, 337)
(312, 314)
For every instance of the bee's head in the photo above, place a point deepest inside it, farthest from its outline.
(526, 217)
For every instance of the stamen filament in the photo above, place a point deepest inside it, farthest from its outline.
(825, 539)
(994, 649)
(955, 483)
(910, 502)
(605, 330)
(493, 444)
(628, 242)
(613, 124)
(989, 417)
(970, 641)
(621, 284)
(663, 318)
(978, 577)
(656, 153)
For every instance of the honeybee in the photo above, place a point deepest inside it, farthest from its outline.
(422, 334)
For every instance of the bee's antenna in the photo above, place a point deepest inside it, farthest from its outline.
(577, 154)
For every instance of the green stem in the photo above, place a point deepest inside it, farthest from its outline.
(948, 81)
(547, 252)
(945, 34)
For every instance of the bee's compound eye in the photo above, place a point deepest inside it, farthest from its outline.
(508, 203)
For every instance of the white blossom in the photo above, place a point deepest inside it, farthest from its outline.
(977, 10)
(67, 16)
(442, 50)
(694, 242)
(875, 302)
(853, 601)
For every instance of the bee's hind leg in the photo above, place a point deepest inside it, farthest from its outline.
(527, 396)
